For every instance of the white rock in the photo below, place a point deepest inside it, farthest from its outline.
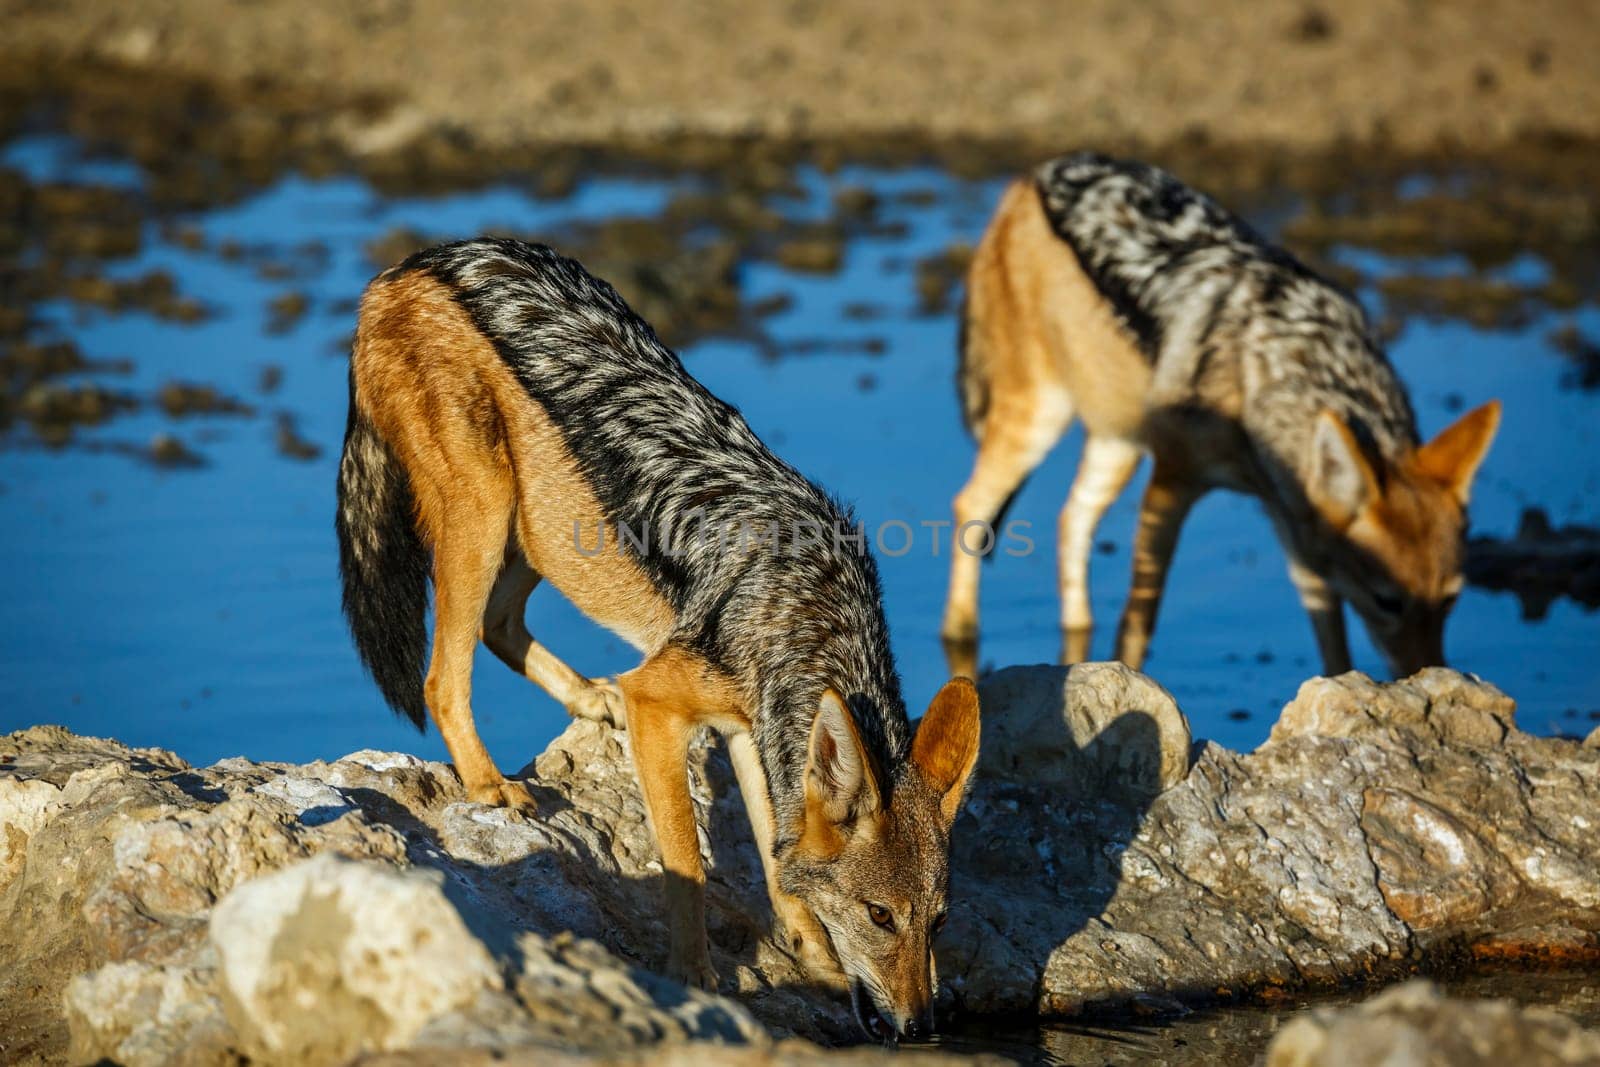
(329, 958)
(25, 806)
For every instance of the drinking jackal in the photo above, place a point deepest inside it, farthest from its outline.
(503, 402)
(1110, 292)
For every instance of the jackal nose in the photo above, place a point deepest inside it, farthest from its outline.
(917, 1028)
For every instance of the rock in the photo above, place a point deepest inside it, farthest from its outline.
(1414, 1025)
(1096, 866)
(1593, 740)
(330, 958)
(1088, 731)
(1435, 704)
(379, 954)
(1379, 824)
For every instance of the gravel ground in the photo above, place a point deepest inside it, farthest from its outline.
(1401, 75)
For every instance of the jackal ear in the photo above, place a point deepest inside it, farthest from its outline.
(946, 746)
(841, 784)
(1342, 481)
(1453, 457)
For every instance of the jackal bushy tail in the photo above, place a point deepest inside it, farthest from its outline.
(383, 566)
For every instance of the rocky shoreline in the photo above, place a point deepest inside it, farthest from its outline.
(155, 912)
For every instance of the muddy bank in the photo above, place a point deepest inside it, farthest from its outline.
(1297, 73)
(1104, 864)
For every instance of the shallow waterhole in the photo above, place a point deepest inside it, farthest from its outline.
(196, 607)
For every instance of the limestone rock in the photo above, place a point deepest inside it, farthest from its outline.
(1380, 822)
(1414, 1025)
(1093, 867)
(1435, 704)
(328, 958)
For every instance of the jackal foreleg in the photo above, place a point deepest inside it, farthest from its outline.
(803, 936)
(1021, 437)
(667, 698)
(1327, 616)
(1167, 501)
(1104, 471)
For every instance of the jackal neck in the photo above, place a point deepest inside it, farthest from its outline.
(799, 627)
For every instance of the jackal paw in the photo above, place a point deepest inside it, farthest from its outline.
(503, 794)
(696, 973)
(601, 701)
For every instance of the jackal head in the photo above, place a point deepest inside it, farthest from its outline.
(872, 863)
(1396, 530)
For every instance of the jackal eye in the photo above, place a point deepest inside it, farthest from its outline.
(1388, 603)
(881, 915)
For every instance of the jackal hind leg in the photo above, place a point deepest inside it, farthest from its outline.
(465, 561)
(1104, 471)
(798, 931)
(505, 632)
(1167, 502)
(1017, 436)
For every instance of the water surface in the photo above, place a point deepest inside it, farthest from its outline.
(197, 609)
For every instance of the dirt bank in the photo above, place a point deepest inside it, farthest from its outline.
(1412, 75)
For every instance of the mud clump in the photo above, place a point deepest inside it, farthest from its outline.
(169, 451)
(155, 292)
(285, 311)
(179, 399)
(938, 276)
(1584, 354)
(55, 411)
(289, 442)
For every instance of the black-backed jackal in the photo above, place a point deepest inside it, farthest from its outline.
(507, 411)
(1110, 292)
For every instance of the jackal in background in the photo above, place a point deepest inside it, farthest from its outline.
(1111, 292)
(503, 400)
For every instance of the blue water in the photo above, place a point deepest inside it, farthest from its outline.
(198, 610)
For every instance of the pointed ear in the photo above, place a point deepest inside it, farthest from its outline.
(1342, 481)
(841, 785)
(946, 746)
(1453, 457)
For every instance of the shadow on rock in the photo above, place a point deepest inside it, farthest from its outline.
(1072, 759)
